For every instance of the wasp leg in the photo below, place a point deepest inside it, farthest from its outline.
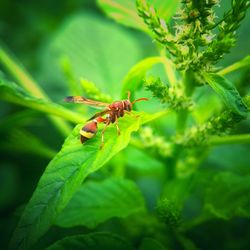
(117, 127)
(129, 113)
(103, 131)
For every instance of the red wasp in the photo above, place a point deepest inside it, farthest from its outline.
(112, 111)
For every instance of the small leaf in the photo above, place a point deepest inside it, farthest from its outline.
(92, 92)
(227, 91)
(125, 12)
(64, 175)
(93, 241)
(133, 80)
(97, 202)
(228, 196)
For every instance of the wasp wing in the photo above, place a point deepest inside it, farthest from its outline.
(83, 100)
(106, 111)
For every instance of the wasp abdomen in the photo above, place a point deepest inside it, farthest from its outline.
(88, 131)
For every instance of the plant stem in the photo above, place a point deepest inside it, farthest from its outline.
(183, 114)
(169, 67)
(31, 86)
(21, 75)
(230, 139)
(235, 66)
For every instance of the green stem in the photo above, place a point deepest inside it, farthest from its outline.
(21, 75)
(183, 114)
(31, 86)
(230, 139)
(235, 66)
(169, 67)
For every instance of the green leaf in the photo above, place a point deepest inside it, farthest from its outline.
(228, 196)
(97, 202)
(66, 172)
(93, 48)
(13, 93)
(125, 12)
(227, 91)
(151, 244)
(93, 241)
(133, 80)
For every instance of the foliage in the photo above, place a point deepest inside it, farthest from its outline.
(179, 164)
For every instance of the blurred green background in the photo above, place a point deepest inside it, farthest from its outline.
(48, 37)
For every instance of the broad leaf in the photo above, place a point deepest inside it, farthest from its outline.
(13, 93)
(228, 196)
(133, 80)
(97, 202)
(125, 12)
(93, 241)
(97, 49)
(66, 172)
(227, 91)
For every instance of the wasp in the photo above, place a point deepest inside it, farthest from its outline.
(112, 111)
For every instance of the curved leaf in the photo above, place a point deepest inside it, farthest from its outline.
(64, 175)
(133, 80)
(94, 241)
(230, 198)
(125, 12)
(227, 91)
(110, 198)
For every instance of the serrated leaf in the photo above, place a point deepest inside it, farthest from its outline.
(93, 241)
(125, 12)
(64, 175)
(228, 196)
(96, 202)
(133, 80)
(13, 93)
(227, 91)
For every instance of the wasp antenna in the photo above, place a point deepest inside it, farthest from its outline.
(140, 99)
